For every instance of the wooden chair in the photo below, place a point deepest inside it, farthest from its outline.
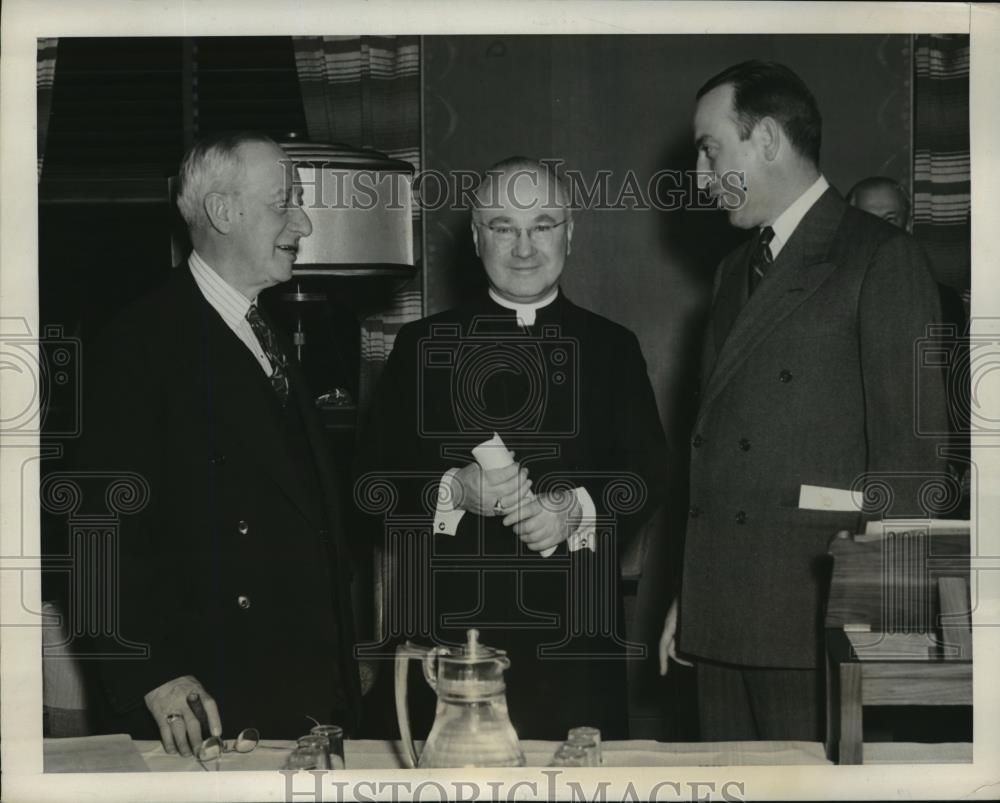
(898, 628)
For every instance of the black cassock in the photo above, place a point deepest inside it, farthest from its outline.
(571, 397)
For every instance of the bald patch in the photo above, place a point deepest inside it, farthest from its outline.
(521, 186)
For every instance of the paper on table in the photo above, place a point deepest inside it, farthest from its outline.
(816, 497)
(114, 752)
(493, 454)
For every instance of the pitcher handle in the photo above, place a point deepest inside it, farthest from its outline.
(430, 666)
(404, 652)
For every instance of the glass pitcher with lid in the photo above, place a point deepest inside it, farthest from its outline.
(471, 725)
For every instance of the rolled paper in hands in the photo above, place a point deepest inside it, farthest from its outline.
(493, 454)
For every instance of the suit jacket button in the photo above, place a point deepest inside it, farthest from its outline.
(741, 517)
(694, 512)
(697, 441)
(243, 602)
(785, 376)
(744, 444)
(243, 527)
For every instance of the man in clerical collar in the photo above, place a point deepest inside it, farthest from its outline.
(525, 551)
(808, 379)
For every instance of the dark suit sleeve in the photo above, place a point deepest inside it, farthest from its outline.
(631, 476)
(123, 434)
(905, 404)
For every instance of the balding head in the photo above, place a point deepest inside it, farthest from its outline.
(882, 197)
(518, 182)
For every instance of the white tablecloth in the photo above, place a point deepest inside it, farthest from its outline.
(120, 754)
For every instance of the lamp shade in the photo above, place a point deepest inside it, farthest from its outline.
(360, 203)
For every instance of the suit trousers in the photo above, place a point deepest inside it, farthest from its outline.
(742, 703)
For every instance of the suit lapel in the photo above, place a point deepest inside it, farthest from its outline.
(800, 269)
(730, 298)
(248, 418)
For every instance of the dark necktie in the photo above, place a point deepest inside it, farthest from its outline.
(761, 257)
(265, 335)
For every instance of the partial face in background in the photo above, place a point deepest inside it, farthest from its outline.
(522, 232)
(729, 161)
(267, 216)
(884, 201)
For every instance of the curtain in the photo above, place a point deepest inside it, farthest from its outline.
(45, 78)
(941, 177)
(365, 91)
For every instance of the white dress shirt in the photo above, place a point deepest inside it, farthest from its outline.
(788, 221)
(231, 305)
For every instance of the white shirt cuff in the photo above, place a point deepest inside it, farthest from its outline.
(446, 516)
(585, 534)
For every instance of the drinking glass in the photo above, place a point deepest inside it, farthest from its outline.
(587, 736)
(569, 755)
(335, 736)
(310, 757)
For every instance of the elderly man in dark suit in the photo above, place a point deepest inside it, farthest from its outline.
(808, 377)
(235, 574)
(567, 390)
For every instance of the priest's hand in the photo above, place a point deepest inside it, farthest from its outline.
(545, 520)
(478, 491)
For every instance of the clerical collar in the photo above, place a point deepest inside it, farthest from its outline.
(525, 312)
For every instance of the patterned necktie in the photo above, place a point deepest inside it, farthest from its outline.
(279, 375)
(761, 257)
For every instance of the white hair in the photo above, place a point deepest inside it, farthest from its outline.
(211, 165)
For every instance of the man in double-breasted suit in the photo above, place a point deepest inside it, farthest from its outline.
(809, 377)
(567, 390)
(235, 573)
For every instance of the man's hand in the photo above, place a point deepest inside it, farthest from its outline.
(545, 520)
(477, 491)
(182, 733)
(668, 641)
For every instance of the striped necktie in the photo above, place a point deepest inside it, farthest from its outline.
(761, 257)
(279, 365)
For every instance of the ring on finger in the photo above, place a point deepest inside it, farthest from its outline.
(172, 718)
